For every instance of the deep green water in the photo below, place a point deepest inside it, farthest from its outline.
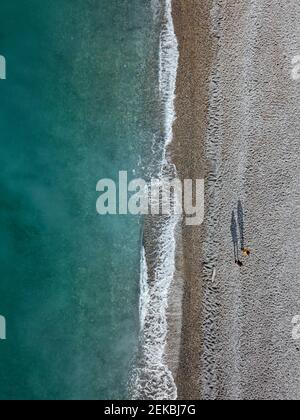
(72, 111)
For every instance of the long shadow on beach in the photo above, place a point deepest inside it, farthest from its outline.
(240, 214)
(234, 234)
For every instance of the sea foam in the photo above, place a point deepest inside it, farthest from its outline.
(152, 378)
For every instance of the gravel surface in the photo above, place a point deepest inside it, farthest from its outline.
(250, 140)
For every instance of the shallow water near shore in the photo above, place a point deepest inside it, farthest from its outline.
(74, 107)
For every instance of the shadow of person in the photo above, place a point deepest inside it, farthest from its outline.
(234, 234)
(240, 214)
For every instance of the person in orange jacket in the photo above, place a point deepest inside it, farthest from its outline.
(246, 252)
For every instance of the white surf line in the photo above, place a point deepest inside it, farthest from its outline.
(144, 290)
(169, 60)
(152, 378)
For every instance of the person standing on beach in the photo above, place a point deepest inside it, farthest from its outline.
(246, 252)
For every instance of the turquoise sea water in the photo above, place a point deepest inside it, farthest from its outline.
(75, 108)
